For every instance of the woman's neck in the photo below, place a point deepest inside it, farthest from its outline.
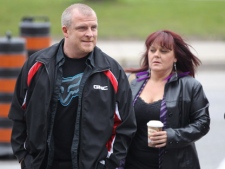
(159, 76)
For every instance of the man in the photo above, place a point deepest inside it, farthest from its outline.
(72, 106)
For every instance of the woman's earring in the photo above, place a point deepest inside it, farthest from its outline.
(175, 68)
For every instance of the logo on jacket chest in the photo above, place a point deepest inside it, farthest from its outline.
(69, 89)
(98, 87)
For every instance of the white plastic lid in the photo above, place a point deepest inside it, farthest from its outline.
(155, 123)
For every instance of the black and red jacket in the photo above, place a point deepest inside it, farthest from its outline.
(105, 122)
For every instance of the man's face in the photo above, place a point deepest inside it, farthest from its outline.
(81, 36)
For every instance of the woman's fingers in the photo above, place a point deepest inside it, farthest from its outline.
(159, 139)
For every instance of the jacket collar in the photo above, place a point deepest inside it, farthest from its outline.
(96, 59)
(49, 53)
(176, 76)
(141, 76)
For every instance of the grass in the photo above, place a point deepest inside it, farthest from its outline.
(126, 19)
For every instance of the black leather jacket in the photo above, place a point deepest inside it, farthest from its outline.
(187, 120)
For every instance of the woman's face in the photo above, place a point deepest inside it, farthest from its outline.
(161, 58)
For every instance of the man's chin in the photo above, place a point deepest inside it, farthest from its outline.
(88, 49)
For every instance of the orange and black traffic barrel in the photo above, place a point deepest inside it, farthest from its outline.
(12, 56)
(36, 31)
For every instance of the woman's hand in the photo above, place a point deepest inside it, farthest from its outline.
(158, 139)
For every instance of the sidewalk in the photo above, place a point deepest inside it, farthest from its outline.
(212, 54)
(127, 53)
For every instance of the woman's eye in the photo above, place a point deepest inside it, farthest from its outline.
(152, 50)
(164, 51)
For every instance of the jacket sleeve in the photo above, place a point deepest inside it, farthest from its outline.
(16, 114)
(194, 120)
(127, 126)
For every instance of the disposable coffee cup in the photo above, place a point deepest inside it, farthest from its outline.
(153, 126)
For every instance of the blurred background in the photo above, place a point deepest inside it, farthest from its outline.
(127, 19)
(27, 26)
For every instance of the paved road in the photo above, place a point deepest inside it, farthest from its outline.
(211, 148)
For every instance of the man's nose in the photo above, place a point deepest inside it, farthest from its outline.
(89, 32)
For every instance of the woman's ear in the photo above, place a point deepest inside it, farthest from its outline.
(175, 60)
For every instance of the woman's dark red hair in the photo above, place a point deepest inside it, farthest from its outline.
(186, 60)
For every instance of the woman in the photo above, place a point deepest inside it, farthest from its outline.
(165, 89)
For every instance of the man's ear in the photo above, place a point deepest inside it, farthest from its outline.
(65, 31)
